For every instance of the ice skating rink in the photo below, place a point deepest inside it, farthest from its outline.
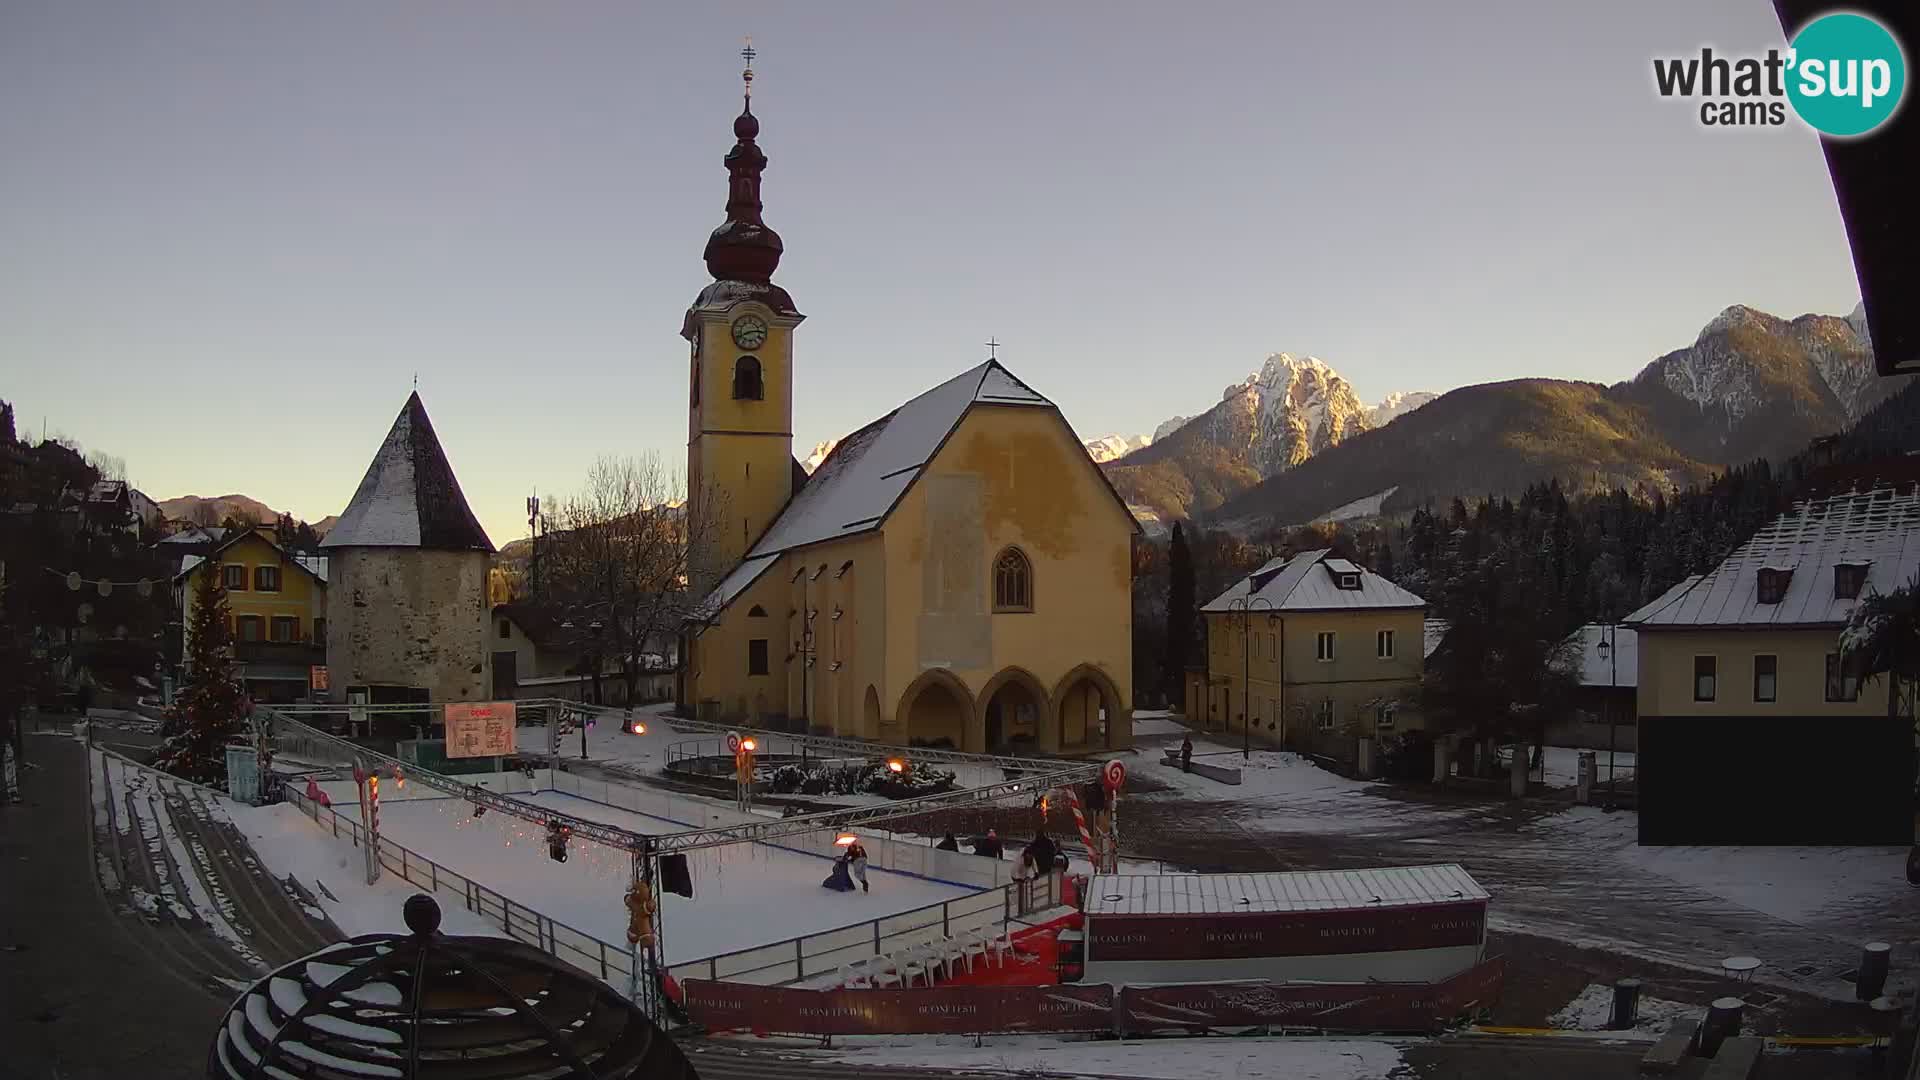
(743, 894)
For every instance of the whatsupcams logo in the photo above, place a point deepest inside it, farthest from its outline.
(1843, 75)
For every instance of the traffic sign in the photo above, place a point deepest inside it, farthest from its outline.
(1114, 774)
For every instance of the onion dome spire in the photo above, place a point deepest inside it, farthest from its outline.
(743, 248)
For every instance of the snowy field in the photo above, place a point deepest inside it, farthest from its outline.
(743, 895)
(1159, 1059)
(1593, 1007)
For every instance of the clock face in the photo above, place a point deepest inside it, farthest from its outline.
(749, 332)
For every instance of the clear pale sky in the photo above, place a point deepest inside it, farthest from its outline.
(231, 233)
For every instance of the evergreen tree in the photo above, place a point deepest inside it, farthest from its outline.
(1180, 613)
(206, 714)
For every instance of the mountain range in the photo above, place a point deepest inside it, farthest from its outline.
(214, 509)
(1291, 446)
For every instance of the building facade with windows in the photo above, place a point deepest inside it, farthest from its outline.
(1319, 651)
(1754, 726)
(277, 604)
(956, 572)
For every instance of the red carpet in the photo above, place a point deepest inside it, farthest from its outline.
(1035, 960)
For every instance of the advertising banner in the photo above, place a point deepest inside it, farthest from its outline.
(1284, 933)
(480, 729)
(1328, 1007)
(941, 1010)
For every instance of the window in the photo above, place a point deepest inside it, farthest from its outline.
(746, 380)
(1383, 716)
(1843, 679)
(1012, 582)
(320, 631)
(284, 629)
(1383, 644)
(1773, 583)
(756, 612)
(1323, 644)
(247, 627)
(1325, 714)
(1766, 678)
(1848, 579)
(236, 577)
(757, 656)
(1704, 671)
(266, 578)
(1347, 581)
(506, 629)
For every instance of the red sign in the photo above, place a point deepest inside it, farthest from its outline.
(1329, 1007)
(481, 729)
(1284, 933)
(941, 1010)
(317, 677)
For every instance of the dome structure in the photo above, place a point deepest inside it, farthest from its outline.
(428, 1005)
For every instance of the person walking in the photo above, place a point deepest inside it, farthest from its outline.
(857, 861)
(989, 846)
(1186, 754)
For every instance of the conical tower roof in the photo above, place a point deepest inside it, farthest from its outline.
(409, 497)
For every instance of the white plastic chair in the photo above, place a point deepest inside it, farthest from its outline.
(972, 945)
(939, 954)
(911, 963)
(884, 972)
(856, 976)
(1000, 943)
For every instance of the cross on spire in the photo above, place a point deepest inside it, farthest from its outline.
(993, 349)
(747, 54)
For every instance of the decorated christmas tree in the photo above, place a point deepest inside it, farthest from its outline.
(207, 712)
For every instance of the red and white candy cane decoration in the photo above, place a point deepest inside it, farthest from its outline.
(1080, 822)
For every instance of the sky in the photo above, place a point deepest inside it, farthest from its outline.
(233, 234)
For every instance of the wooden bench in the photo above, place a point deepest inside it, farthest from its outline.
(1735, 1060)
(1665, 1055)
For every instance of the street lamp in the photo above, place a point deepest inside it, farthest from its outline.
(593, 657)
(1611, 655)
(1245, 605)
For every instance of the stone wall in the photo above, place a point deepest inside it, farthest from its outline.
(408, 617)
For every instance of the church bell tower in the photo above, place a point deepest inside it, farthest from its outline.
(740, 465)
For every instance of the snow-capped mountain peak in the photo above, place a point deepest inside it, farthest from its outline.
(1109, 447)
(818, 454)
(1397, 404)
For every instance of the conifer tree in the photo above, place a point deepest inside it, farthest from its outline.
(206, 713)
(1180, 613)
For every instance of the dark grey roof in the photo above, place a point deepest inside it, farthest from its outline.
(409, 497)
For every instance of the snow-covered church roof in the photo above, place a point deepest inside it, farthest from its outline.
(861, 481)
(409, 497)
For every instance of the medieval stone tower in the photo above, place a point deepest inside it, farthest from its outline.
(407, 563)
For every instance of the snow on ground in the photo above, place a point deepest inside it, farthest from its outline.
(1148, 723)
(1281, 791)
(1593, 1007)
(744, 895)
(288, 843)
(1794, 884)
(1563, 765)
(1160, 1059)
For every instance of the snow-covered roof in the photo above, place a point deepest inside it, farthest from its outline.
(1879, 528)
(312, 564)
(1304, 583)
(1432, 634)
(1619, 667)
(196, 534)
(409, 497)
(856, 487)
(1308, 890)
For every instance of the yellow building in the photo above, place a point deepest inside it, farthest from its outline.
(956, 572)
(1754, 726)
(277, 607)
(1321, 653)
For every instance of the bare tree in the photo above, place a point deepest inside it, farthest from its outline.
(617, 562)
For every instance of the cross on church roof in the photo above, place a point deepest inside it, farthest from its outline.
(993, 349)
(748, 54)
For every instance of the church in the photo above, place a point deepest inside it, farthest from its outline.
(955, 573)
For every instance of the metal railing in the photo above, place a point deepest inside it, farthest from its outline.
(613, 963)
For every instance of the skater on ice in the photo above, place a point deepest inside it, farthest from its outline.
(857, 860)
(948, 843)
(838, 881)
(990, 846)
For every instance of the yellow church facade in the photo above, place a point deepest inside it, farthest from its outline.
(956, 573)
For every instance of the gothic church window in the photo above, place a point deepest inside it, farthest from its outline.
(1012, 581)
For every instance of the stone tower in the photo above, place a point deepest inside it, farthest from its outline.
(407, 565)
(740, 466)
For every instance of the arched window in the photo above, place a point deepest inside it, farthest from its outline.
(756, 612)
(746, 379)
(1012, 581)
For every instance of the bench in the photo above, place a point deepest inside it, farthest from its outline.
(1735, 1060)
(1221, 773)
(1670, 1049)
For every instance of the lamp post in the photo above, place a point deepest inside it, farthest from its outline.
(1245, 606)
(593, 657)
(1610, 653)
